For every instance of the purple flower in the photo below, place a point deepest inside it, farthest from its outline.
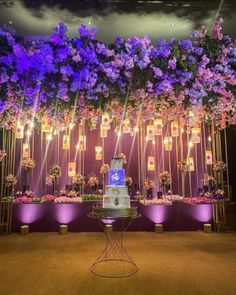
(217, 29)
(157, 72)
(63, 53)
(172, 63)
(85, 32)
(66, 70)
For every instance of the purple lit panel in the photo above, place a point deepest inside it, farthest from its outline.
(201, 212)
(30, 213)
(66, 213)
(156, 213)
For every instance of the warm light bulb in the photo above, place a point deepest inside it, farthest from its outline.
(71, 126)
(31, 125)
(146, 138)
(190, 144)
(209, 138)
(153, 142)
(119, 133)
(136, 129)
(49, 137)
(28, 133)
(77, 146)
(55, 132)
(191, 114)
(182, 129)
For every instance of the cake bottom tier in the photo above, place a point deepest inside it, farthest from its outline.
(116, 201)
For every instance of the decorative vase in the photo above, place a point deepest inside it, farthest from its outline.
(94, 188)
(149, 194)
(55, 186)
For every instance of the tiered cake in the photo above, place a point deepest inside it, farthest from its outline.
(116, 201)
(116, 193)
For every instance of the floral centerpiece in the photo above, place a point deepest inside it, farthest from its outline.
(128, 181)
(54, 173)
(93, 183)
(2, 155)
(165, 180)
(78, 181)
(149, 186)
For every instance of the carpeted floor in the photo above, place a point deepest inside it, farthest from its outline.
(170, 263)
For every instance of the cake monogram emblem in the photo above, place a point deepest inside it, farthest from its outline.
(116, 202)
(115, 177)
(115, 190)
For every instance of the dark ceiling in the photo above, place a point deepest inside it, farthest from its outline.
(158, 19)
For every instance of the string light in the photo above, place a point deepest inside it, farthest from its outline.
(209, 138)
(119, 133)
(190, 144)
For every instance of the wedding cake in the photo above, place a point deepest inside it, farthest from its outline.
(116, 192)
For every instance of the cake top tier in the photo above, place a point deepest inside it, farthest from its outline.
(116, 163)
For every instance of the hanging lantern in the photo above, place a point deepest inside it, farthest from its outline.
(103, 132)
(46, 127)
(126, 126)
(19, 131)
(82, 143)
(168, 143)
(26, 150)
(71, 169)
(48, 137)
(98, 152)
(66, 142)
(150, 132)
(196, 138)
(174, 129)
(105, 121)
(209, 157)
(158, 126)
(190, 164)
(151, 163)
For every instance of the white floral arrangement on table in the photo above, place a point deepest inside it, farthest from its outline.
(208, 179)
(207, 195)
(104, 168)
(219, 166)
(28, 163)
(28, 194)
(63, 192)
(72, 194)
(123, 157)
(165, 178)
(68, 200)
(219, 192)
(78, 179)
(2, 155)
(149, 184)
(93, 180)
(128, 180)
(55, 171)
(10, 180)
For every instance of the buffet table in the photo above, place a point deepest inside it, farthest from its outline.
(44, 217)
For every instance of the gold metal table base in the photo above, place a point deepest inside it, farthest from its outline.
(114, 261)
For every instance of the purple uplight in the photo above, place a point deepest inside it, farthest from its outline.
(65, 213)
(202, 212)
(157, 214)
(30, 213)
(107, 221)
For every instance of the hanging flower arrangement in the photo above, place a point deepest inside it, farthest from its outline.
(2, 155)
(122, 156)
(10, 180)
(183, 166)
(104, 168)
(219, 166)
